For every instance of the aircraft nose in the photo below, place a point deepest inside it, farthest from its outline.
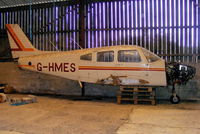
(191, 72)
(180, 72)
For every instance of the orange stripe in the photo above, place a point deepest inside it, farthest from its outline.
(26, 66)
(17, 41)
(120, 68)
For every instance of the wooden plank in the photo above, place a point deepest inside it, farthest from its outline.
(118, 99)
(136, 89)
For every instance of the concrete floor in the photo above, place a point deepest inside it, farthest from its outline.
(183, 118)
(58, 115)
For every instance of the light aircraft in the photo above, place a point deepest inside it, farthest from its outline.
(114, 65)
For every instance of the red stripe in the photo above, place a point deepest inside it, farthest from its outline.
(12, 34)
(120, 69)
(17, 40)
(15, 49)
(123, 69)
(26, 66)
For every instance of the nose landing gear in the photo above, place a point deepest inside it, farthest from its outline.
(178, 73)
(174, 99)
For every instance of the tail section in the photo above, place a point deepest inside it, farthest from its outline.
(19, 43)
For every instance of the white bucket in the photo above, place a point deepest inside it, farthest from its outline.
(2, 97)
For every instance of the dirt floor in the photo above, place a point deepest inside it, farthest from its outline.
(59, 115)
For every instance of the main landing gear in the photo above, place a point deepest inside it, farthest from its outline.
(83, 89)
(82, 85)
(174, 99)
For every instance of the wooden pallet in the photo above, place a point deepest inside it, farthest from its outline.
(136, 95)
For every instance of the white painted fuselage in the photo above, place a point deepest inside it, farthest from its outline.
(70, 65)
(115, 65)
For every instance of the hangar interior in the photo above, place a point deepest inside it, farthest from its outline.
(168, 28)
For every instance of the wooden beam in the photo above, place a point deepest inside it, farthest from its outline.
(81, 24)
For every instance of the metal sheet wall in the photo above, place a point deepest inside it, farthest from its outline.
(56, 28)
(52, 27)
(166, 27)
(169, 28)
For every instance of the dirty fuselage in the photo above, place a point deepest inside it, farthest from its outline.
(116, 65)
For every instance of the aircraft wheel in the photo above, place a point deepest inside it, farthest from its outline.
(175, 99)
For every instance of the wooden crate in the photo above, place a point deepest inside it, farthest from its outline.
(136, 95)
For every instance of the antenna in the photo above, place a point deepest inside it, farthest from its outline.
(76, 43)
(54, 46)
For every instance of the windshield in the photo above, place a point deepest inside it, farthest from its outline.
(150, 56)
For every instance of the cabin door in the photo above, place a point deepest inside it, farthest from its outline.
(105, 66)
(131, 68)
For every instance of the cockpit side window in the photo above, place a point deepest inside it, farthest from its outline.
(129, 56)
(150, 56)
(87, 57)
(106, 56)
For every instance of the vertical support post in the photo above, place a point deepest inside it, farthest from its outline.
(30, 19)
(54, 25)
(83, 89)
(198, 31)
(81, 24)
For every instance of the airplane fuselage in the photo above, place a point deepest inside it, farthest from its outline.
(117, 65)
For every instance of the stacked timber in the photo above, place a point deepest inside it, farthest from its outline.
(136, 95)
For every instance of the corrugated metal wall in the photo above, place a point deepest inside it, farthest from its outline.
(56, 28)
(169, 28)
(51, 26)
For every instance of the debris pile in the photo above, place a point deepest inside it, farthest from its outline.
(2, 98)
(16, 101)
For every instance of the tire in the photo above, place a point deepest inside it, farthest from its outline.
(175, 99)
